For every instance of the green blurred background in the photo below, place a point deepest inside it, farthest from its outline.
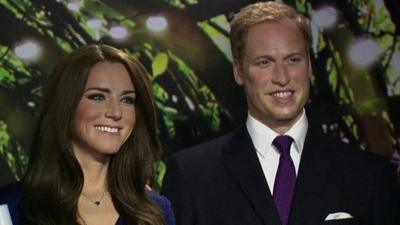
(184, 44)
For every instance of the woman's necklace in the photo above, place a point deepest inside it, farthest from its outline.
(95, 202)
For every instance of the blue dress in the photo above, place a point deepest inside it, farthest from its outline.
(11, 195)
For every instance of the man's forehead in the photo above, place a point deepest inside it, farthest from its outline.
(274, 35)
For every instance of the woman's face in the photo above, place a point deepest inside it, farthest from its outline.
(105, 116)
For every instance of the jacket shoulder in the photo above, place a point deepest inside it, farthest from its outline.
(206, 150)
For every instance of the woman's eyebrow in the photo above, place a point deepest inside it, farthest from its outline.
(107, 90)
(128, 92)
(98, 89)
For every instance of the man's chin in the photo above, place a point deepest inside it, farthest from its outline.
(287, 117)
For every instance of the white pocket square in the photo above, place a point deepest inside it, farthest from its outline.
(338, 216)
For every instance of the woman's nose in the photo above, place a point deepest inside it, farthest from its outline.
(114, 110)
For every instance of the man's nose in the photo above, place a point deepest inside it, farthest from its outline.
(280, 75)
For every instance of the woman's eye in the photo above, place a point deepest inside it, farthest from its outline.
(96, 97)
(128, 100)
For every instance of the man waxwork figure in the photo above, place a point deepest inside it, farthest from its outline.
(278, 168)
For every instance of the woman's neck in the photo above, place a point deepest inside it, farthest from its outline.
(95, 174)
(95, 179)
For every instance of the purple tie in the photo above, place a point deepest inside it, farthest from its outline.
(285, 178)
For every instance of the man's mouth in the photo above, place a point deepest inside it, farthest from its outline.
(282, 94)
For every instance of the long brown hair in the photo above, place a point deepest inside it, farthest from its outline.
(54, 178)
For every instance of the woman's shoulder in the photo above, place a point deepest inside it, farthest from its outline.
(165, 205)
(11, 193)
(159, 199)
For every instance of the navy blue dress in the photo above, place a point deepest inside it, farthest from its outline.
(11, 195)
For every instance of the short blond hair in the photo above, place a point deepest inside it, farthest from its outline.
(263, 12)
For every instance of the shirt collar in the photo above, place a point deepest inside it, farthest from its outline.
(263, 136)
(299, 131)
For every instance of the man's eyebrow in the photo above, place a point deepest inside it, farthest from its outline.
(295, 54)
(264, 57)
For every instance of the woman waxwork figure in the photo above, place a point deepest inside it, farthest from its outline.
(94, 148)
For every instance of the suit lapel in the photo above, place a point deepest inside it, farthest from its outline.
(312, 177)
(240, 159)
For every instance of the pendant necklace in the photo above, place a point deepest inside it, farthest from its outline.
(95, 202)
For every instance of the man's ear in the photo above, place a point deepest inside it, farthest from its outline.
(310, 70)
(238, 71)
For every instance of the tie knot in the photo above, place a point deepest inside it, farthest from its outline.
(282, 143)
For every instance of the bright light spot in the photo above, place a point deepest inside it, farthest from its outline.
(364, 9)
(94, 23)
(379, 4)
(156, 23)
(118, 32)
(314, 38)
(27, 50)
(31, 104)
(364, 52)
(325, 17)
(396, 61)
(174, 99)
(325, 128)
(73, 6)
(189, 103)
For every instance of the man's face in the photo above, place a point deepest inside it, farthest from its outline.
(275, 71)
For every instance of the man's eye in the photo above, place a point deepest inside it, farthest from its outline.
(128, 100)
(96, 97)
(294, 60)
(263, 62)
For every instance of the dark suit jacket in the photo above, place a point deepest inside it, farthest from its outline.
(11, 195)
(221, 182)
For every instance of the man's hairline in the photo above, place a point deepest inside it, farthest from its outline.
(245, 33)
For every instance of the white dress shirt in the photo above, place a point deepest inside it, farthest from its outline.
(262, 137)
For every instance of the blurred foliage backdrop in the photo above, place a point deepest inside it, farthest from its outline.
(184, 44)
